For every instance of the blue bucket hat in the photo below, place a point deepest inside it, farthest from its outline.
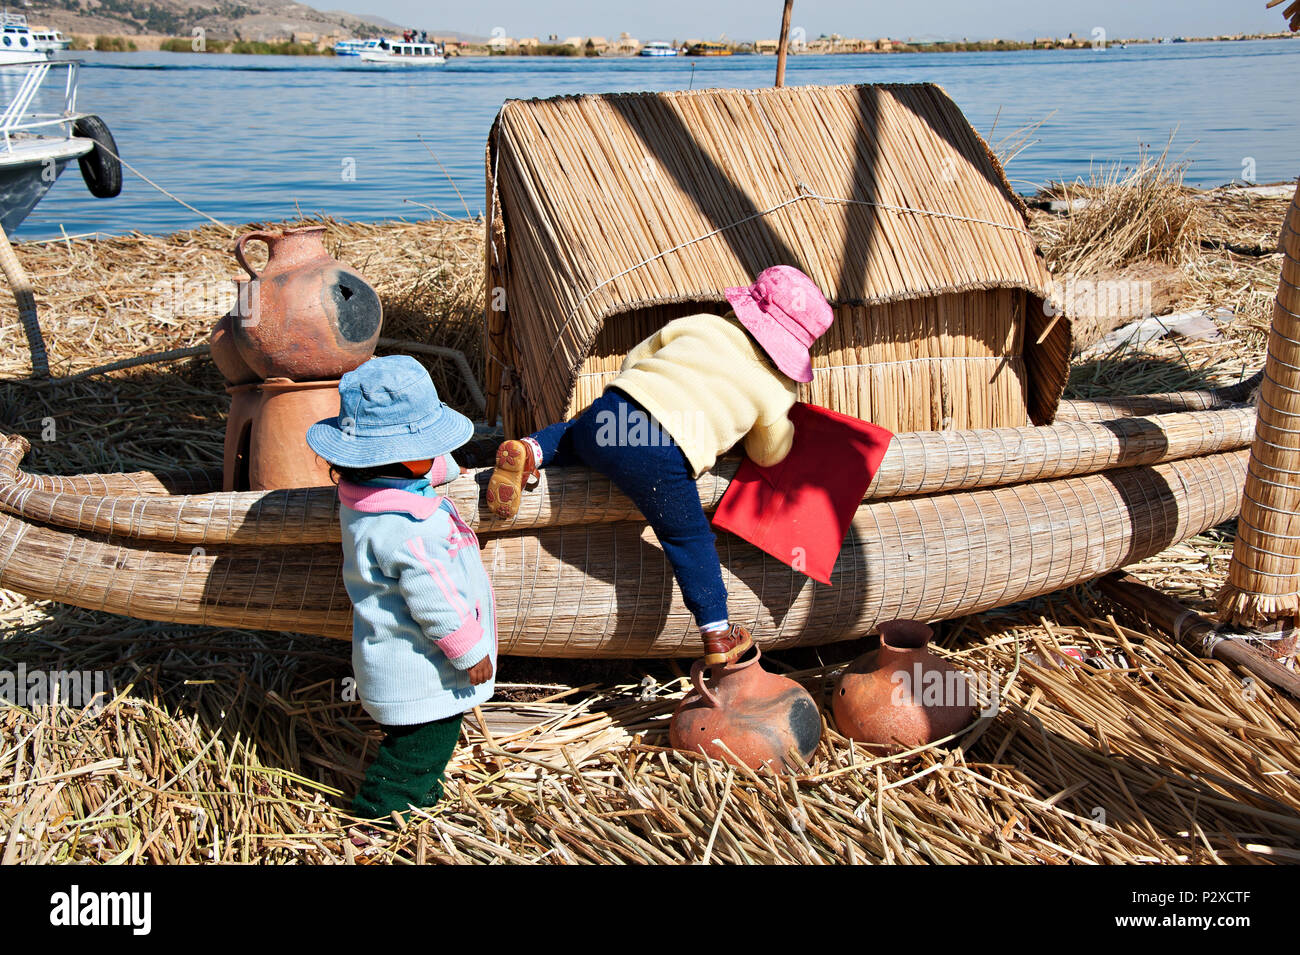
(389, 411)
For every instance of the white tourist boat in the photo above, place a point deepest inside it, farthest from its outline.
(17, 44)
(658, 48)
(402, 53)
(41, 131)
(49, 40)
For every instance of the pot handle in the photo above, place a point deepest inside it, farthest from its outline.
(266, 237)
(697, 677)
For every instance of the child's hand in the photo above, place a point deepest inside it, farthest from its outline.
(480, 672)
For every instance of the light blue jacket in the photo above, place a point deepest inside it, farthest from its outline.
(423, 609)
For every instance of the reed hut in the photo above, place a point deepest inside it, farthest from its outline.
(611, 215)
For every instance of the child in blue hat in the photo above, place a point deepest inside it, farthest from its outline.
(424, 620)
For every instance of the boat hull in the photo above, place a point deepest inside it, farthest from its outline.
(606, 590)
(22, 186)
(387, 59)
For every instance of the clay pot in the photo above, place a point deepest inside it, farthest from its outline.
(310, 317)
(902, 695)
(759, 716)
(266, 434)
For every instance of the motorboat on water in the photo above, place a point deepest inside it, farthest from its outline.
(658, 48)
(49, 40)
(41, 131)
(403, 53)
(17, 43)
(708, 48)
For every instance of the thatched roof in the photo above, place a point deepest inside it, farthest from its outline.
(606, 204)
(1292, 12)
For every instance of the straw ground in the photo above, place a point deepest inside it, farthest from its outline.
(242, 746)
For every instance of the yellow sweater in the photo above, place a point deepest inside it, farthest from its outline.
(709, 385)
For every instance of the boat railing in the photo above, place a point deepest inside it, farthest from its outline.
(18, 116)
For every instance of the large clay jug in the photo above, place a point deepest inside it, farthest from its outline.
(759, 716)
(310, 317)
(902, 695)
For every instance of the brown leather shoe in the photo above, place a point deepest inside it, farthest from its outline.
(727, 646)
(515, 467)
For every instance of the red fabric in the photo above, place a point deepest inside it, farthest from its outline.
(799, 510)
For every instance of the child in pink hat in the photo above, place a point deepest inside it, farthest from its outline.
(687, 394)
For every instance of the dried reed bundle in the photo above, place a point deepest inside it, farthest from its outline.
(1264, 576)
(606, 590)
(1292, 12)
(1160, 403)
(1144, 213)
(187, 507)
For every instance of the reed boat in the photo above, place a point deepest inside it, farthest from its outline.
(610, 215)
(953, 523)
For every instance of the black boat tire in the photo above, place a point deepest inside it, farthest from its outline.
(100, 168)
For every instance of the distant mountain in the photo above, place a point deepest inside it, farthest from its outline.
(380, 22)
(220, 19)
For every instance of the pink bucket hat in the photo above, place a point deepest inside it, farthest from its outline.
(786, 312)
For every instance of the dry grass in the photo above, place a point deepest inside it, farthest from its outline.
(236, 747)
(1230, 261)
(1126, 216)
(239, 746)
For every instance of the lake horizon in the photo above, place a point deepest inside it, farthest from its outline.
(265, 138)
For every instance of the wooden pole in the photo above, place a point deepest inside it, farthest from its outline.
(22, 288)
(1195, 631)
(784, 43)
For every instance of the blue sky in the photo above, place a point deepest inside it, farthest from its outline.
(753, 19)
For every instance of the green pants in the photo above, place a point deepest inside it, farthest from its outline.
(408, 768)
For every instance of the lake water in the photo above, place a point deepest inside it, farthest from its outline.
(247, 138)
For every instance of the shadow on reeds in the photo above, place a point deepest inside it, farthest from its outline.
(112, 424)
(1129, 372)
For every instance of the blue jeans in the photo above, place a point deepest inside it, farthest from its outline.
(619, 438)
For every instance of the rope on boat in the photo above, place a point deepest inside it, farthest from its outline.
(152, 358)
(169, 195)
(22, 287)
